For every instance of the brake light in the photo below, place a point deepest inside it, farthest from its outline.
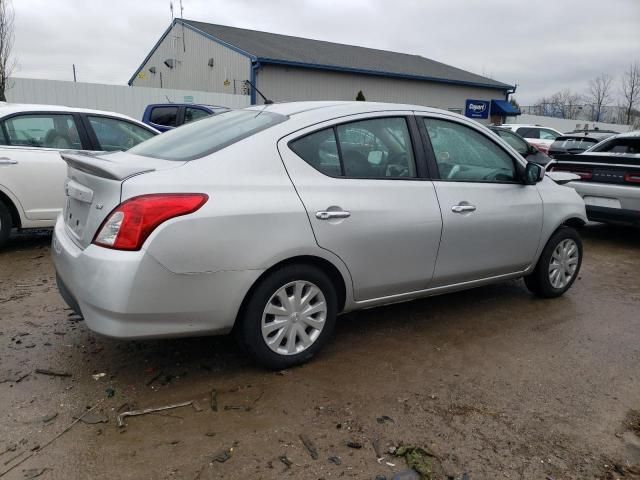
(583, 174)
(130, 223)
(632, 177)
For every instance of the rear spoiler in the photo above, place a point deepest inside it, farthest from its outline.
(101, 166)
(631, 159)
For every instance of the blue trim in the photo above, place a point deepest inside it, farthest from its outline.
(146, 59)
(254, 69)
(334, 68)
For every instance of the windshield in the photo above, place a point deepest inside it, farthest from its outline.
(208, 135)
(618, 145)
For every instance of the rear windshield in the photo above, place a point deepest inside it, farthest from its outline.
(577, 143)
(197, 139)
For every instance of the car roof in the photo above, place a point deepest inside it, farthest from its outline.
(632, 134)
(173, 104)
(332, 109)
(10, 108)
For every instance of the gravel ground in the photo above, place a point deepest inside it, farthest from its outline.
(492, 383)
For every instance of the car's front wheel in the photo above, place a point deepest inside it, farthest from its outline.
(289, 316)
(558, 265)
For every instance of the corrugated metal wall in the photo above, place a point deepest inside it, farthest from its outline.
(191, 70)
(114, 98)
(284, 83)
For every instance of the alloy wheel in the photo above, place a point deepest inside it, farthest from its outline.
(563, 263)
(294, 317)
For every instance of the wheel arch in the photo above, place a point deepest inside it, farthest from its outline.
(334, 274)
(13, 210)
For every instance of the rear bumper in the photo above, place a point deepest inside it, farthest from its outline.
(131, 295)
(628, 198)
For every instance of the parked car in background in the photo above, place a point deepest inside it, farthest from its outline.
(292, 213)
(622, 143)
(31, 171)
(576, 142)
(537, 135)
(528, 151)
(165, 116)
(609, 180)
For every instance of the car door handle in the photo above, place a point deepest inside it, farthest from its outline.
(7, 161)
(329, 214)
(463, 208)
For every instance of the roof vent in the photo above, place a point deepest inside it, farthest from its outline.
(153, 70)
(169, 62)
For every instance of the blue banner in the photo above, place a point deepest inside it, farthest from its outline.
(476, 109)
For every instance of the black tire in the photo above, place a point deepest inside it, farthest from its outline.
(249, 332)
(538, 281)
(5, 224)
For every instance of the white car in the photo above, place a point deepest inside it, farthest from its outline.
(537, 135)
(32, 173)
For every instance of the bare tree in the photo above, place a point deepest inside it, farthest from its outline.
(599, 94)
(563, 104)
(7, 63)
(631, 89)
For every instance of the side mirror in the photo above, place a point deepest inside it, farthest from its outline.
(533, 173)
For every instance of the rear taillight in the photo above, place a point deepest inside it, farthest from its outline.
(583, 174)
(131, 223)
(632, 177)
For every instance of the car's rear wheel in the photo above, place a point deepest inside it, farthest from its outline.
(558, 265)
(5, 223)
(289, 316)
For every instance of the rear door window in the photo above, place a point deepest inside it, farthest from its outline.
(114, 134)
(378, 148)
(57, 131)
(166, 116)
(546, 134)
(528, 132)
(191, 114)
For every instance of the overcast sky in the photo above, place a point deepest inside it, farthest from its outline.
(542, 45)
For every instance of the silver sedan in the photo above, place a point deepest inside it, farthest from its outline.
(270, 221)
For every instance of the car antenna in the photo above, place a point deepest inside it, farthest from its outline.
(266, 100)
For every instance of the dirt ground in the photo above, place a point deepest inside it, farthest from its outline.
(493, 383)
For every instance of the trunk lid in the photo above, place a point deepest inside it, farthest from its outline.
(620, 169)
(94, 185)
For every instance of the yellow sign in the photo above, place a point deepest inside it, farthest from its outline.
(227, 82)
(141, 75)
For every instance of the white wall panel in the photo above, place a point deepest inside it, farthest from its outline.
(191, 70)
(114, 98)
(281, 83)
